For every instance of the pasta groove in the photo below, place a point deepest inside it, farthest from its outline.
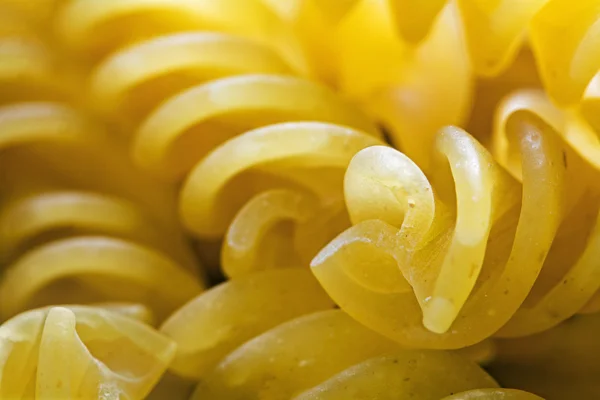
(470, 251)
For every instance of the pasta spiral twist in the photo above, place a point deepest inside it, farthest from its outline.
(274, 334)
(495, 30)
(170, 46)
(459, 253)
(80, 352)
(271, 166)
(273, 170)
(252, 112)
(166, 47)
(73, 210)
(205, 75)
(354, 47)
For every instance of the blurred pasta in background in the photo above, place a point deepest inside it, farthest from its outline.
(401, 195)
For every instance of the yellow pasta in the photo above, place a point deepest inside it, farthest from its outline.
(397, 83)
(80, 352)
(403, 376)
(562, 35)
(275, 328)
(73, 210)
(132, 131)
(560, 363)
(209, 327)
(459, 253)
(303, 353)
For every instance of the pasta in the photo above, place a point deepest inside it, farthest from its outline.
(73, 209)
(402, 376)
(274, 334)
(139, 136)
(494, 31)
(396, 83)
(164, 76)
(463, 250)
(80, 352)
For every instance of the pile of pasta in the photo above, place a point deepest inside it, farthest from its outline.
(299, 199)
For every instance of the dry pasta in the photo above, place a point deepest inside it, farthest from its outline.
(155, 79)
(494, 31)
(130, 128)
(274, 334)
(73, 209)
(402, 376)
(464, 249)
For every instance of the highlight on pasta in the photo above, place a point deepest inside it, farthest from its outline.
(299, 199)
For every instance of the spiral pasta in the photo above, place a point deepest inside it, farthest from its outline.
(494, 31)
(470, 243)
(80, 352)
(154, 80)
(274, 334)
(73, 210)
(199, 41)
(356, 48)
(257, 125)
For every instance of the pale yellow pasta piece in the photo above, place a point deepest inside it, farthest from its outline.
(80, 352)
(424, 232)
(209, 327)
(76, 230)
(292, 358)
(92, 30)
(570, 277)
(90, 269)
(299, 169)
(183, 136)
(132, 82)
(493, 394)
(186, 127)
(410, 374)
